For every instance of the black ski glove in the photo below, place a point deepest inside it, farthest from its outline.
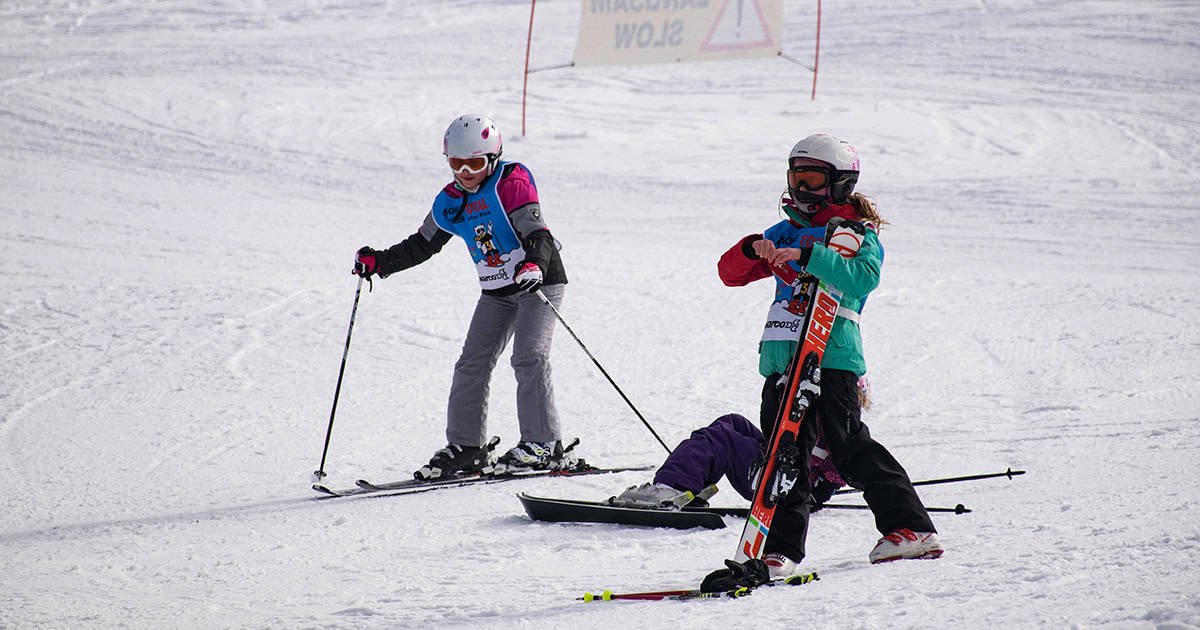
(748, 246)
(365, 263)
(805, 255)
(821, 493)
(529, 276)
(750, 573)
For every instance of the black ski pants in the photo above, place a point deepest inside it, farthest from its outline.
(864, 463)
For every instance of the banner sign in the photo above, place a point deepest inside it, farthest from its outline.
(614, 32)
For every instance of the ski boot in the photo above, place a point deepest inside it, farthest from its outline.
(536, 456)
(906, 544)
(456, 459)
(660, 496)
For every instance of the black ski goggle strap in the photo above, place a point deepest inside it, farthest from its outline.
(842, 186)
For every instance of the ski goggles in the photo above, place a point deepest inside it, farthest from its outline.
(808, 177)
(471, 165)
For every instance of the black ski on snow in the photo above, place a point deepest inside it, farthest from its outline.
(572, 511)
(421, 485)
(366, 487)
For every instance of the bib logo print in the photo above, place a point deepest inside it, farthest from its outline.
(798, 304)
(485, 241)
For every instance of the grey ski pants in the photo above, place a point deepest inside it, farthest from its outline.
(529, 323)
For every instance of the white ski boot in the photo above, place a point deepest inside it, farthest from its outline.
(906, 544)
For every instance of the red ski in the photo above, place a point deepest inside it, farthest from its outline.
(692, 593)
(804, 385)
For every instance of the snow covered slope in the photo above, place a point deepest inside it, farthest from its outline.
(183, 185)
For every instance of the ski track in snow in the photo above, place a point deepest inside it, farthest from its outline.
(184, 185)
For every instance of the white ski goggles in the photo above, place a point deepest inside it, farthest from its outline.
(471, 165)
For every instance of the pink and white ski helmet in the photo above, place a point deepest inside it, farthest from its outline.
(838, 154)
(472, 135)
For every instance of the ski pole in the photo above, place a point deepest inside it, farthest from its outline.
(320, 472)
(1010, 473)
(546, 301)
(957, 509)
(741, 512)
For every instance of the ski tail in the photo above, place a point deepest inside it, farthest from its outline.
(688, 594)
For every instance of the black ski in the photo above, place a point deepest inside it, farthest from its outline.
(418, 485)
(366, 487)
(572, 511)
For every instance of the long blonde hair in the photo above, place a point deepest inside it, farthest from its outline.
(867, 210)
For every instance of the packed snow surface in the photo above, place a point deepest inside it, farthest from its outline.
(183, 185)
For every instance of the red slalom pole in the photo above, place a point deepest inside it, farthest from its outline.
(816, 54)
(528, 45)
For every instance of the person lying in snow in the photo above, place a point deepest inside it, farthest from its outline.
(730, 447)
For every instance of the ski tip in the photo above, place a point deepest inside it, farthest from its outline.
(591, 597)
(802, 578)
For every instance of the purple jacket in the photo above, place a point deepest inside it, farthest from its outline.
(726, 448)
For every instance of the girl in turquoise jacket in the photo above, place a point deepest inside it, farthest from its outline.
(822, 173)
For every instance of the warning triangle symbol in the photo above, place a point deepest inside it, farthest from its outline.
(740, 25)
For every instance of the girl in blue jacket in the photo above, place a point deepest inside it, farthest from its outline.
(492, 205)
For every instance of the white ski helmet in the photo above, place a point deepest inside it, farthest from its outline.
(473, 135)
(838, 154)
